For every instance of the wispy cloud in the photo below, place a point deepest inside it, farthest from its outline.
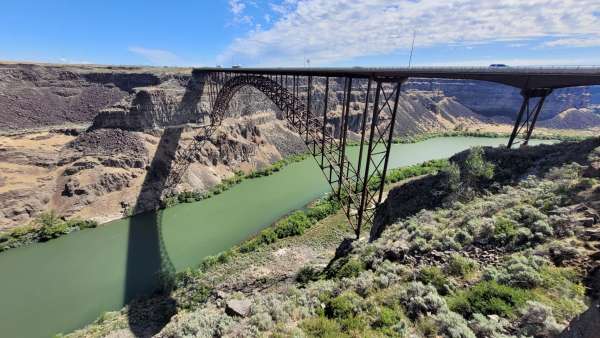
(237, 9)
(157, 57)
(328, 31)
(516, 62)
(575, 42)
(74, 62)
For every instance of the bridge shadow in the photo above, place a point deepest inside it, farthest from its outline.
(149, 270)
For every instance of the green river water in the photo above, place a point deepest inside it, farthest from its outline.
(64, 284)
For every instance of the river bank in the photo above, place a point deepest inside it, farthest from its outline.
(92, 271)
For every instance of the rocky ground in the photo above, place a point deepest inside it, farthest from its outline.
(99, 174)
(512, 252)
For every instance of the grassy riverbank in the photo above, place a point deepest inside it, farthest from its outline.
(426, 136)
(45, 227)
(189, 288)
(49, 226)
(506, 261)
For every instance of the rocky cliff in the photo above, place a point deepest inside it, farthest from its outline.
(103, 172)
(41, 96)
(34, 96)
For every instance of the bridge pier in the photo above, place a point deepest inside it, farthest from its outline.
(531, 114)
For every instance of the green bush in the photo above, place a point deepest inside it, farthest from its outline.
(194, 291)
(451, 174)
(321, 327)
(453, 325)
(433, 275)
(349, 269)
(344, 306)
(488, 298)
(307, 274)
(323, 208)
(505, 231)
(293, 225)
(476, 167)
(521, 271)
(400, 174)
(461, 266)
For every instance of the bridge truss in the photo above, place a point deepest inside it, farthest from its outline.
(304, 98)
(356, 180)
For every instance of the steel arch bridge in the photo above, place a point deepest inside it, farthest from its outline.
(359, 185)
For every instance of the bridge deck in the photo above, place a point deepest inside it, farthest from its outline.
(520, 77)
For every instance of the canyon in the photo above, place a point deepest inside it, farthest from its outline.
(80, 140)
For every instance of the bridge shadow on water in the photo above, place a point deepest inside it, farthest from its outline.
(149, 269)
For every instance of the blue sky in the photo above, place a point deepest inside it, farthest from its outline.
(288, 32)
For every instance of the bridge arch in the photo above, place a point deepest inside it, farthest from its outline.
(358, 186)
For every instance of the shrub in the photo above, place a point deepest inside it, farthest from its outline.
(484, 326)
(53, 230)
(433, 275)
(387, 317)
(350, 268)
(476, 168)
(194, 292)
(82, 224)
(505, 232)
(390, 322)
(428, 327)
(322, 209)
(293, 225)
(321, 327)
(488, 298)
(521, 271)
(307, 274)
(355, 325)
(452, 325)
(461, 266)
(537, 321)
(451, 173)
(344, 306)
(419, 299)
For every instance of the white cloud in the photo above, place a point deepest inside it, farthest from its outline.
(574, 42)
(74, 62)
(237, 8)
(157, 57)
(329, 31)
(515, 62)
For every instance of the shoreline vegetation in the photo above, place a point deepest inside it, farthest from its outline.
(48, 226)
(189, 293)
(492, 256)
(300, 220)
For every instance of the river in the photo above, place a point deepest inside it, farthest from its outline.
(64, 284)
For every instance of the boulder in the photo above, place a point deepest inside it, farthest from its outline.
(238, 307)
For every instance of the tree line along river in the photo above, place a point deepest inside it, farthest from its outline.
(64, 284)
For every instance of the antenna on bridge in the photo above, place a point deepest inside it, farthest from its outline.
(412, 48)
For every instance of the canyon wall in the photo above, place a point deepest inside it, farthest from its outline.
(36, 96)
(111, 162)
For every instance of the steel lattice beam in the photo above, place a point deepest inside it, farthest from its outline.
(528, 115)
(359, 187)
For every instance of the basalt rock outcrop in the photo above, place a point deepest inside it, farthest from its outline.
(34, 96)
